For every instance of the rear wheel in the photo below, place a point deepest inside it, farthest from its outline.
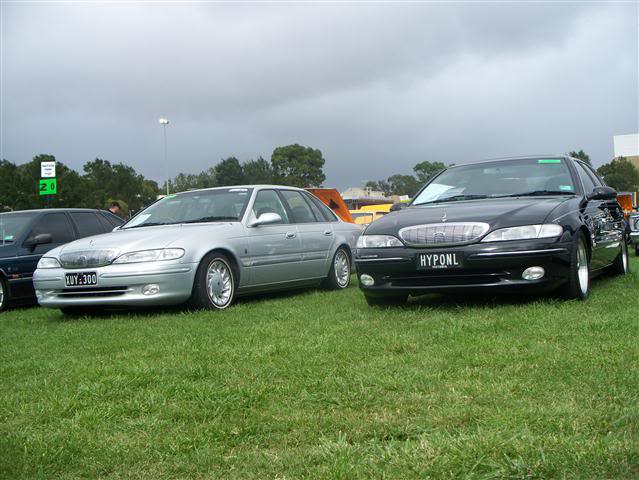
(4, 295)
(339, 276)
(214, 286)
(620, 265)
(579, 278)
(386, 300)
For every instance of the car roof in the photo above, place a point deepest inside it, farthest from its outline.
(54, 210)
(521, 157)
(255, 187)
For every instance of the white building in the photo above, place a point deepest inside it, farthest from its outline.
(627, 146)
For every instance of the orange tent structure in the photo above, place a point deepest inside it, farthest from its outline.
(334, 201)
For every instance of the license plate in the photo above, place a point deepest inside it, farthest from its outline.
(434, 261)
(81, 279)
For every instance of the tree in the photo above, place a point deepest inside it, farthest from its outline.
(581, 155)
(298, 166)
(403, 185)
(229, 172)
(620, 174)
(426, 170)
(379, 186)
(258, 172)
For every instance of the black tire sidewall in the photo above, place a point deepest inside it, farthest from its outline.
(5, 297)
(200, 297)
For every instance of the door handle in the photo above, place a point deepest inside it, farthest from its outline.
(290, 235)
(328, 232)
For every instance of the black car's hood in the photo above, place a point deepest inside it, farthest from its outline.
(497, 212)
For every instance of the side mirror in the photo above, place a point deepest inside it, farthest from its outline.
(398, 206)
(266, 219)
(602, 193)
(40, 239)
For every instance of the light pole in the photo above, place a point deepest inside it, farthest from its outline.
(164, 122)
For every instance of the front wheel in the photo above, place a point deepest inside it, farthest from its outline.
(579, 277)
(339, 276)
(620, 265)
(637, 250)
(4, 296)
(214, 286)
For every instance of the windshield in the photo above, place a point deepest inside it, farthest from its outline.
(12, 225)
(505, 178)
(220, 205)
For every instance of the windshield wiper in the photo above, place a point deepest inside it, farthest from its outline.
(455, 198)
(209, 219)
(148, 224)
(536, 193)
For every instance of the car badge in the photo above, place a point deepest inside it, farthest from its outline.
(439, 237)
(91, 242)
(444, 217)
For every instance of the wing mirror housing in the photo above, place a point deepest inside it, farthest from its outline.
(398, 206)
(266, 219)
(39, 239)
(602, 193)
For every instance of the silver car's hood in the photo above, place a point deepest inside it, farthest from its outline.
(146, 238)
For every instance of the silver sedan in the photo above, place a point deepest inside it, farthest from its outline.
(204, 247)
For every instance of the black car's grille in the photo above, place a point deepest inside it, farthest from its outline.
(88, 292)
(88, 258)
(419, 279)
(443, 234)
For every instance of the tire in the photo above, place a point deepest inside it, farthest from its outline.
(339, 275)
(389, 300)
(215, 283)
(4, 295)
(637, 250)
(621, 264)
(578, 286)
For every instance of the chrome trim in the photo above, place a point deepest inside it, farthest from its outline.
(445, 226)
(520, 252)
(145, 274)
(63, 293)
(385, 259)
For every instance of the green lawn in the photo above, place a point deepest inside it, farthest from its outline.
(316, 384)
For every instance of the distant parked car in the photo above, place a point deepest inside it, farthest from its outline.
(527, 223)
(633, 222)
(27, 235)
(204, 247)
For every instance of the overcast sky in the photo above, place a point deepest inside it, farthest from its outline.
(377, 87)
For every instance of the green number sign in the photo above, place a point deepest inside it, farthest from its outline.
(48, 186)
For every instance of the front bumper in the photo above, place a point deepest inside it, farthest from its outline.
(634, 237)
(118, 285)
(490, 266)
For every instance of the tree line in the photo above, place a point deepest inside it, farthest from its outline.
(620, 174)
(102, 182)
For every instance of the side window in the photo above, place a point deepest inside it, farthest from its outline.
(316, 211)
(589, 185)
(328, 213)
(302, 213)
(267, 201)
(598, 180)
(56, 224)
(112, 220)
(87, 223)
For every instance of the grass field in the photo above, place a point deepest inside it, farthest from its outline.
(316, 384)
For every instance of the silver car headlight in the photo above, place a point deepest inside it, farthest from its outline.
(151, 255)
(48, 262)
(525, 232)
(378, 241)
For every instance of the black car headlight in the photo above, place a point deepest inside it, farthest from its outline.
(378, 241)
(525, 232)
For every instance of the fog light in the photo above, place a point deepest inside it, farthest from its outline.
(151, 289)
(533, 273)
(367, 280)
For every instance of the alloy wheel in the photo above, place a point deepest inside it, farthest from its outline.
(1, 294)
(624, 256)
(219, 283)
(583, 273)
(342, 268)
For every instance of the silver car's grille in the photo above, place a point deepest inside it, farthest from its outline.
(88, 258)
(443, 234)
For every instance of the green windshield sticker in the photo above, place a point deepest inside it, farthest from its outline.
(8, 238)
(566, 188)
(549, 160)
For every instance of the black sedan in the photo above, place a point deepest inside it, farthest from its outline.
(532, 222)
(26, 235)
